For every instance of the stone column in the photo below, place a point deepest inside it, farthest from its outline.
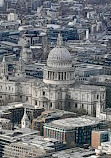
(67, 75)
(63, 75)
(60, 75)
(71, 75)
(51, 75)
(46, 74)
(55, 75)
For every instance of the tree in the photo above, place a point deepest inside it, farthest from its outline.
(80, 111)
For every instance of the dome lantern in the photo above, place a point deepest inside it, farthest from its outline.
(59, 40)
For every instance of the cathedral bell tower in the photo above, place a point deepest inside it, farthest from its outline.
(26, 54)
(46, 47)
(20, 70)
(4, 69)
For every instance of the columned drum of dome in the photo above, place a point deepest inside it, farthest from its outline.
(59, 68)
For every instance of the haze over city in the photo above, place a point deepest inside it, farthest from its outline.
(55, 78)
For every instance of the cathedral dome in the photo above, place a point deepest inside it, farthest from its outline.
(59, 56)
(59, 68)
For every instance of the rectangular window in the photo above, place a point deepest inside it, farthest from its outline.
(26, 98)
(35, 102)
(43, 93)
(75, 105)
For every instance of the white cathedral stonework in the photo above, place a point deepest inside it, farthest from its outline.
(57, 90)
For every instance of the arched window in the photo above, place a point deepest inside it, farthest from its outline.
(43, 93)
(35, 102)
(51, 105)
(75, 105)
(97, 96)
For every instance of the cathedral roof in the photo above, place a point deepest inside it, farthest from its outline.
(59, 56)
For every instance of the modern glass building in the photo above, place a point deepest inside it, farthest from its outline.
(72, 131)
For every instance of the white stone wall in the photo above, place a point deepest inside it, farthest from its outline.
(51, 97)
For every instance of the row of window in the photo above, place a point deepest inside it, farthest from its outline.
(54, 134)
(7, 88)
(96, 96)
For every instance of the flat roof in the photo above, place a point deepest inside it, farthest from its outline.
(12, 136)
(71, 123)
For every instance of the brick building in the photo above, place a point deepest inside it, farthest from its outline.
(98, 137)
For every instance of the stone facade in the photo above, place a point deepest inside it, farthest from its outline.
(57, 90)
